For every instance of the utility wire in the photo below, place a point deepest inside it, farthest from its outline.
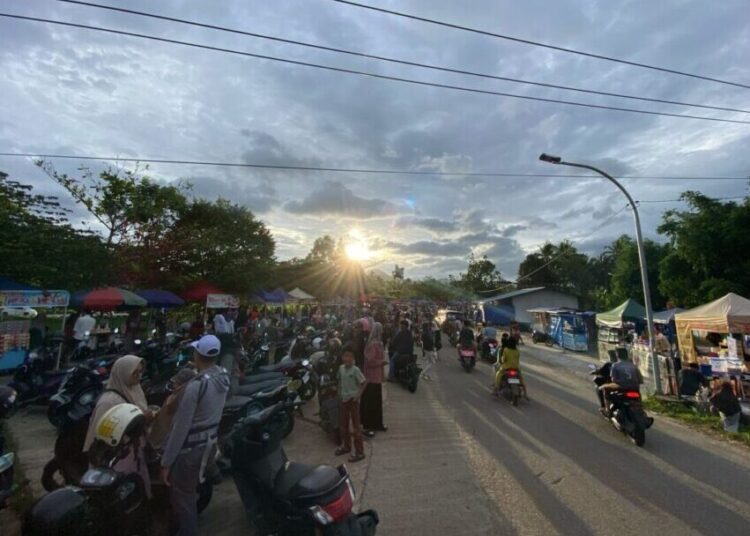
(395, 60)
(368, 74)
(351, 170)
(542, 45)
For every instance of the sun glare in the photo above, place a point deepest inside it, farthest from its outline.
(357, 251)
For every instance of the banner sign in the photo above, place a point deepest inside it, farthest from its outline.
(34, 298)
(222, 301)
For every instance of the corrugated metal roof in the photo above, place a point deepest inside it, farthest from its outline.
(513, 294)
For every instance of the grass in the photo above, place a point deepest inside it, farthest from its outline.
(705, 422)
(23, 499)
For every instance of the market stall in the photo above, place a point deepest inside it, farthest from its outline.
(617, 327)
(301, 296)
(568, 328)
(717, 337)
(16, 321)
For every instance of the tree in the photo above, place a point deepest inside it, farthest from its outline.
(38, 245)
(325, 250)
(626, 273)
(398, 272)
(132, 208)
(218, 241)
(481, 275)
(710, 252)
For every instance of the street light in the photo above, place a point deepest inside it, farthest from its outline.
(641, 256)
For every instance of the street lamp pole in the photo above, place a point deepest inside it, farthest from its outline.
(641, 256)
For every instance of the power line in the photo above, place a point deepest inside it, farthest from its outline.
(369, 74)
(350, 170)
(395, 60)
(542, 45)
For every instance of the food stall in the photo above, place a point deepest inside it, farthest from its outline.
(617, 328)
(18, 311)
(717, 337)
(568, 328)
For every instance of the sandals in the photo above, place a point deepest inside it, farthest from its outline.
(341, 451)
(356, 458)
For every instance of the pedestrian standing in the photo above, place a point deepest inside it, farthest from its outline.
(428, 349)
(372, 397)
(351, 385)
(194, 433)
(726, 404)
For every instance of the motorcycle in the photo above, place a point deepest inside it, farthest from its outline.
(511, 386)
(624, 409)
(304, 380)
(538, 337)
(84, 383)
(33, 382)
(408, 374)
(328, 395)
(453, 338)
(285, 497)
(467, 357)
(7, 459)
(489, 349)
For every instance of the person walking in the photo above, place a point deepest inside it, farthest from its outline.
(372, 397)
(351, 385)
(726, 404)
(194, 433)
(429, 352)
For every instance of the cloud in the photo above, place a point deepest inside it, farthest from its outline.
(334, 199)
(428, 247)
(435, 225)
(512, 230)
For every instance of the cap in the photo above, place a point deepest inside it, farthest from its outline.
(207, 346)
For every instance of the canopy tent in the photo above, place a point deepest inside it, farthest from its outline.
(199, 292)
(730, 314)
(629, 310)
(107, 299)
(160, 298)
(300, 295)
(665, 317)
(9, 284)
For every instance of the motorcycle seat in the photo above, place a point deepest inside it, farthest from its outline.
(262, 377)
(296, 480)
(255, 389)
(278, 367)
(236, 402)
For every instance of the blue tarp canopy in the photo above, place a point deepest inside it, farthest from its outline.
(160, 298)
(501, 315)
(274, 296)
(10, 284)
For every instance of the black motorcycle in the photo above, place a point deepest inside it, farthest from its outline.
(328, 395)
(408, 372)
(624, 408)
(539, 337)
(7, 459)
(289, 498)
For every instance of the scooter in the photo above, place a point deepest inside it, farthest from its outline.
(289, 498)
(489, 350)
(34, 383)
(538, 337)
(7, 459)
(304, 380)
(511, 386)
(467, 357)
(408, 374)
(624, 409)
(328, 395)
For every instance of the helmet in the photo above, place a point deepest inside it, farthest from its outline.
(7, 400)
(119, 424)
(317, 343)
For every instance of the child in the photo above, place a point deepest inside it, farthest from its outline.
(351, 385)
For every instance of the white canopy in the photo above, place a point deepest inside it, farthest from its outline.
(301, 295)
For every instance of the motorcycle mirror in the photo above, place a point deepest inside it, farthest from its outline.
(306, 363)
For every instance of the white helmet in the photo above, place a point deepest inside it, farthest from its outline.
(120, 424)
(317, 343)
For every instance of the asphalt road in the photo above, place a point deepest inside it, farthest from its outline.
(555, 466)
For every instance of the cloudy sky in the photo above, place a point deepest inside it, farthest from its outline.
(73, 91)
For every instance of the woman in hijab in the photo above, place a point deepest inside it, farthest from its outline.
(372, 397)
(124, 387)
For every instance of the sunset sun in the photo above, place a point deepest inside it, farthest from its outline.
(357, 251)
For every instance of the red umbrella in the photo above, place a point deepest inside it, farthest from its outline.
(107, 299)
(199, 291)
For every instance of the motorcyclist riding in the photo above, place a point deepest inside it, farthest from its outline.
(624, 375)
(509, 358)
(466, 337)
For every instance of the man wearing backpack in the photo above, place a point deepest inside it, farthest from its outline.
(194, 432)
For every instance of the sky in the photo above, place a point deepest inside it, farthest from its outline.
(74, 91)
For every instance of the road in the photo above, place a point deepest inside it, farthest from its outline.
(554, 466)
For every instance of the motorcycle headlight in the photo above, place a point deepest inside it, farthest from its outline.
(7, 461)
(306, 363)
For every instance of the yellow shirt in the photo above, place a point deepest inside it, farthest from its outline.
(510, 359)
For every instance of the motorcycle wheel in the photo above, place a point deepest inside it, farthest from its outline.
(549, 342)
(639, 436)
(52, 476)
(307, 391)
(289, 424)
(515, 394)
(413, 384)
(205, 492)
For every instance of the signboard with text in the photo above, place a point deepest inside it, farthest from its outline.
(34, 298)
(222, 301)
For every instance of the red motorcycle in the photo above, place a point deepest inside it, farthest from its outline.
(467, 355)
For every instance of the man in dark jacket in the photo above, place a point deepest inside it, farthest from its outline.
(401, 348)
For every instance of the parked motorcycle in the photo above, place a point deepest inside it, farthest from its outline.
(326, 368)
(304, 381)
(408, 374)
(7, 459)
(624, 409)
(511, 386)
(467, 357)
(539, 337)
(285, 497)
(34, 383)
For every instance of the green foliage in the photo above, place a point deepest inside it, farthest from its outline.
(40, 247)
(626, 272)
(217, 241)
(710, 253)
(481, 276)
